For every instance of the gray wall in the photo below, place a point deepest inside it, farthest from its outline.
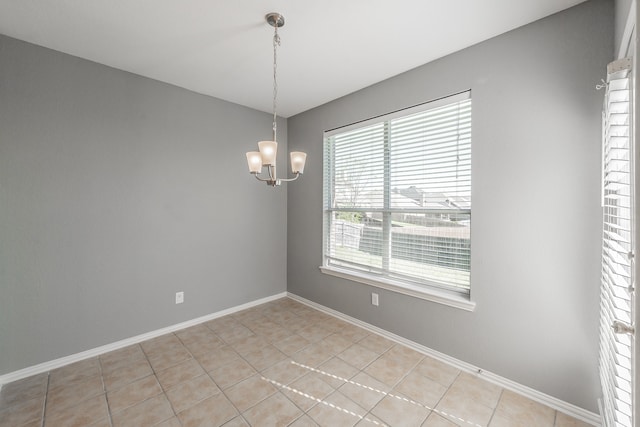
(536, 212)
(116, 191)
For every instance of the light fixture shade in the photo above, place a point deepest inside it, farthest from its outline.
(254, 159)
(268, 149)
(298, 159)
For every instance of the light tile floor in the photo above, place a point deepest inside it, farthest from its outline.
(277, 364)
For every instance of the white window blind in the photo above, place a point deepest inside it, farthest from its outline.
(397, 196)
(617, 278)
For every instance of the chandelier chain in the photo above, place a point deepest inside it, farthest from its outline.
(276, 43)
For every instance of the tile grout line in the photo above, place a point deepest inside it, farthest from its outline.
(164, 391)
(104, 388)
(493, 413)
(222, 391)
(46, 398)
(447, 390)
(155, 374)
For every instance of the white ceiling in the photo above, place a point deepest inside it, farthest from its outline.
(223, 48)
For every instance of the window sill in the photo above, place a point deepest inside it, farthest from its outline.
(452, 300)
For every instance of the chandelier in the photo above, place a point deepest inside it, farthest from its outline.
(266, 157)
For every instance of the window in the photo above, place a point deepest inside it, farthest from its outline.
(397, 199)
(618, 247)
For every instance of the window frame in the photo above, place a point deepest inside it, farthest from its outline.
(428, 290)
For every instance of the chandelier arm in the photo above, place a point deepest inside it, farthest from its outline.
(290, 179)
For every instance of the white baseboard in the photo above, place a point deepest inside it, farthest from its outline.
(57, 363)
(552, 402)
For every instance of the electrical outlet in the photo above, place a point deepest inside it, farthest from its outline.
(374, 299)
(179, 297)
